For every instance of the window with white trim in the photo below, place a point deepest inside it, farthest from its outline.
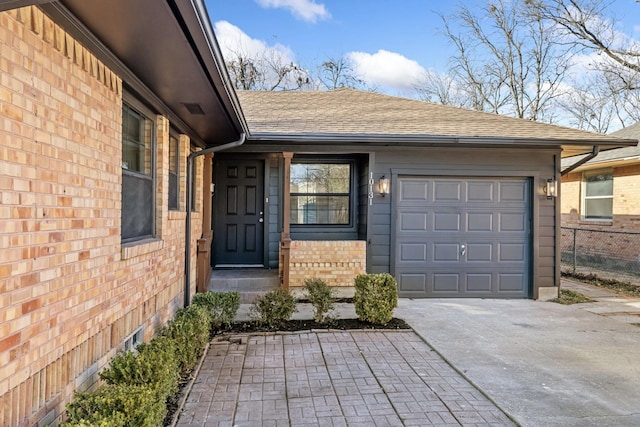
(597, 198)
(138, 174)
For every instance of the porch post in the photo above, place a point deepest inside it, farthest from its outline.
(285, 237)
(203, 272)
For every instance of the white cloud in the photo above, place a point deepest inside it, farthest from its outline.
(233, 42)
(307, 10)
(387, 69)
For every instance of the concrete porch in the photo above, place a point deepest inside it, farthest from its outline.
(249, 282)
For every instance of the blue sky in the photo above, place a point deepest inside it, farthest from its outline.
(390, 41)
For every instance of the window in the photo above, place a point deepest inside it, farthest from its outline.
(137, 175)
(320, 193)
(598, 196)
(174, 172)
(193, 181)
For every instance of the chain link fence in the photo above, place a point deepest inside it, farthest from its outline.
(605, 254)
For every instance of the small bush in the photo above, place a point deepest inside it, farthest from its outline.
(190, 332)
(321, 297)
(222, 306)
(153, 364)
(273, 308)
(117, 406)
(375, 298)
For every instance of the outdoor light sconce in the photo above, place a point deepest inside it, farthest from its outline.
(551, 188)
(383, 186)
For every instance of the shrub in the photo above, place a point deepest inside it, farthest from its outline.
(117, 406)
(222, 306)
(321, 297)
(154, 365)
(273, 308)
(190, 332)
(375, 298)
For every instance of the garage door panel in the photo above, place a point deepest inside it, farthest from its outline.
(511, 252)
(413, 221)
(490, 217)
(481, 191)
(411, 252)
(446, 252)
(511, 282)
(480, 252)
(412, 190)
(512, 222)
(447, 191)
(479, 282)
(414, 283)
(446, 282)
(446, 221)
(480, 221)
(513, 191)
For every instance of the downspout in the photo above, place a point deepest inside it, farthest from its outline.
(187, 251)
(596, 150)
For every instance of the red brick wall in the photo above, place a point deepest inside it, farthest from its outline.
(69, 292)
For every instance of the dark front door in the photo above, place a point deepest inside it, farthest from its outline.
(238, 202)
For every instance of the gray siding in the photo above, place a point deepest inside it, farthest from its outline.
(363, 199)
(274, 221)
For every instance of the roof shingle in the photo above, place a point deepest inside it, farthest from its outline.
(354, 112)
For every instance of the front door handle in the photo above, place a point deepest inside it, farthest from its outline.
(261, 220)
(463, 250)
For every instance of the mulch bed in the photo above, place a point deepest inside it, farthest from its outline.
(305, 325)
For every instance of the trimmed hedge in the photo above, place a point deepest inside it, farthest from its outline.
(139, 382)
(273, 308)
(189, 330)
(117, 406)
(321, 297)
(375, 298)
(222, 306)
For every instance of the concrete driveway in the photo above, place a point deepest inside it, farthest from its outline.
(543, 363)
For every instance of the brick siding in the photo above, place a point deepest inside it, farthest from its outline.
(70, 293)
(336, 262)
(626, 214)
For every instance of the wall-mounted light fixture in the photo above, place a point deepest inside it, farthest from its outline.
(551, 188)
(383, 186)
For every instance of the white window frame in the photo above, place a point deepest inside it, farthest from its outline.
(584, 197)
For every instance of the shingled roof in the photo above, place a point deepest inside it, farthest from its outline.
(354, 113)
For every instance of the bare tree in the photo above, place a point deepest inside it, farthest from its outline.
(507, 60)
(337, 72)
(588, 26)
(267, 71)
(443, 89)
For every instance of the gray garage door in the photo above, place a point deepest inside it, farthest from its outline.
(461, 237)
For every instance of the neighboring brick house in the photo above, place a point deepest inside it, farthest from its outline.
(93, 185)
(603, 194)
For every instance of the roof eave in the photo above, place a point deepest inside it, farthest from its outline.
(415, 138)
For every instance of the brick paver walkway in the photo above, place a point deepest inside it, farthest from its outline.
(353, 378)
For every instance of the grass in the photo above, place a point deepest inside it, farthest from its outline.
(624, 288)
(568, 297)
